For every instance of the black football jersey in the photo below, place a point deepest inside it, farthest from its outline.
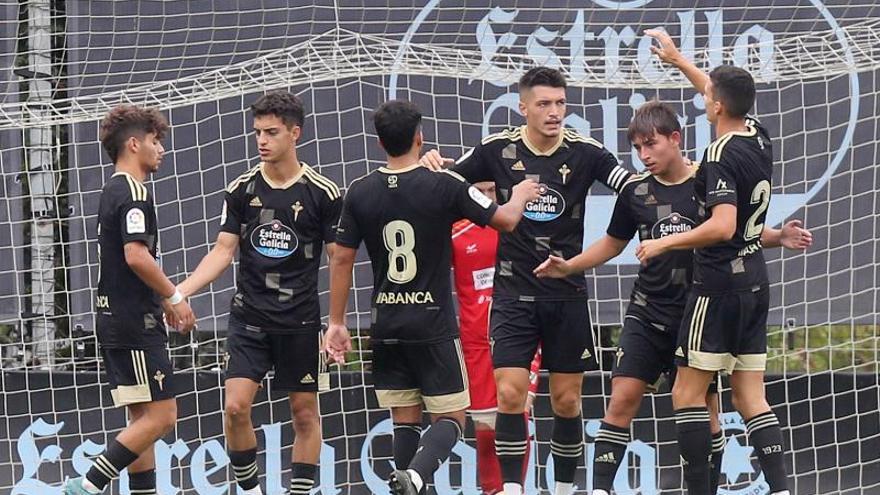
(404, 218)
(737, 169)
(282, 230)
(553, 224)
(129, 312)
(655, 209)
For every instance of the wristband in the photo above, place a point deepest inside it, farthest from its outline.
(176, 297)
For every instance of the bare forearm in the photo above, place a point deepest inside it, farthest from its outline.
(340, 284)
(508, 215)
(771, 238)
(697, 77)
(146, 268)
(706, 234)
(210, 268)
(597, 254)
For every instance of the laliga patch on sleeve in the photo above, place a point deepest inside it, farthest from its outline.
(135, 221)
(480, 198)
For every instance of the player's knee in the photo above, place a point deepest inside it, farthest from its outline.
(237, 410)
(163, 417)
(306, 420)
(566, 403)
(510, 396)
(683, 397)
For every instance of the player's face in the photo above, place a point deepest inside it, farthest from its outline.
(657, 151)
(544, 109)
(488, 189)
(275, 141)
(149, 151)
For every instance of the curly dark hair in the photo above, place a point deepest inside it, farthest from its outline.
(125, 121)
(286, 106)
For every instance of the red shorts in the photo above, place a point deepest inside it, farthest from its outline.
(481, 378)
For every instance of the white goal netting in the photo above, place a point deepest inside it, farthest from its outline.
(63, 64)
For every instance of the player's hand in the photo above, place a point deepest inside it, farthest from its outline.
(650, 249)
(553, 267)
(666, 51)
(526, 191)
(796, 237)
(171, 318)
(435, 161)
(337, 342)
(186, 317)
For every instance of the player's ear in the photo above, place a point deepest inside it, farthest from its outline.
(675, 137)
(296, 132)
(522, 105)
(133, 144)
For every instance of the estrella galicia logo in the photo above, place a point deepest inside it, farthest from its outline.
(673, 223)
(548, 207)
(274, 240)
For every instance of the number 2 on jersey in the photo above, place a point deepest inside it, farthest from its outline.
(400, 240)
(761, 197)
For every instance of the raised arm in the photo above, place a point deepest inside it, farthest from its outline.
(669, 53)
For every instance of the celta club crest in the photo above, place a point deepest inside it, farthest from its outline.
(160, 378)
(297, 207)
(564, 171)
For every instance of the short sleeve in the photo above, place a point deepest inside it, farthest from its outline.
(720, 184)
(348, 233)
(231, 217)
(622, 225)
(474, 166)
(468, 202)
(135, 220)
(330, 218)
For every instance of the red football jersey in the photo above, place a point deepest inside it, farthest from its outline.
(473, 261)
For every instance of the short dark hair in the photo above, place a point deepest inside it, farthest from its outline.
(286, 106)
(542, 76)
(653, 116)
(396, 124)
(125, 121)
(735, 88)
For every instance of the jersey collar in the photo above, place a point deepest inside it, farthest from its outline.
(386, 170)
(126, 174)
(535, 151)
(274, 185)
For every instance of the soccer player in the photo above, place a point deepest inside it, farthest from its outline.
(653, 204)
(404, 215)
(132, 293)
(527, 310)
(725, 321)
(280, 216)
(474, 251)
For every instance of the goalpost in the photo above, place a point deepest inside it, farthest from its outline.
(63, 64)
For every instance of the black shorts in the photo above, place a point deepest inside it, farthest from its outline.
(139, 375)
(562, 328)
(726, 332)
(432, 374)
(647, 353)
(296, 357)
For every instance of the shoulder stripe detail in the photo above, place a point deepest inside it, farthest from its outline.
(636, 178)
(241, 179)
(322, 182)
(461, 230)
(454, 174)
(574, 136)
(513, 134)
(138, 190)
(717, 147)
(465, 156)
(617, 178)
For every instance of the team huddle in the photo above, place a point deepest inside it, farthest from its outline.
(507, 219)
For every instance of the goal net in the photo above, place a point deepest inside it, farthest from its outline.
(65, 63)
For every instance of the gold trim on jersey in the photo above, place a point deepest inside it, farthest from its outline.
(636, 178)
(714, 151)
(693, 166)
(289, 182)
(325, 184)
(454, 174)
(398, 398)
(521, 134)
(138, 190)
(243, 178)
(386, 170)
